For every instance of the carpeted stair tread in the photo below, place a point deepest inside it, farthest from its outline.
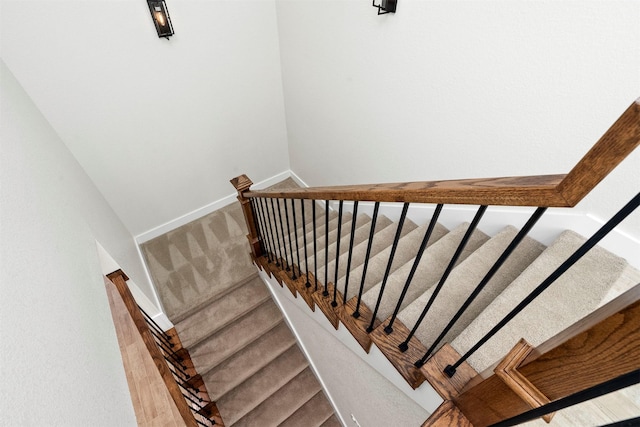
(221, 312)
(332, 421)
(199, 261)
(405, 251)
(463, 280)
(248, 360)
(432, 265)
(572, 296)
(383, 237)
(360, 234)
(284, 402)
(239, 401)
(312, 414)
(320, 234)
(243, 331)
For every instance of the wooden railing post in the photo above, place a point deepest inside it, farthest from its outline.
(600, 347)
(242, 184)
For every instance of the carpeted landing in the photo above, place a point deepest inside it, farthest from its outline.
(236, 335)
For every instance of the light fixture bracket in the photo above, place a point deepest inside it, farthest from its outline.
(385, 6)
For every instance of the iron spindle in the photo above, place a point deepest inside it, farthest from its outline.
(615, 384)
(187, 388)
(284, 238)
(396, 239)
(266, 230)
(315, 249)
(450, 370)
(254, 214)
(372, 232)
(492, 271)
(465, 239)
(263, 232)
(286, 214)
(179, 371)
(427, 235)
(157, 327)
(353, 232)
(334, 303)
(326, 247)
(269, 218)
(166, 349)
(193, 401)
(304, 241)
(278, 246)
(295, 231)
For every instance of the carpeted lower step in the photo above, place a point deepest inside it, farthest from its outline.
(238, 402)
(312, 414)
(572, 296)
(332, 421)
(248, 360)
(222, 312)
(282, 403)
(227, 341)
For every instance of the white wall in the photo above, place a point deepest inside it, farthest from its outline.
(60, 364)
(453, 89)
(160, 126)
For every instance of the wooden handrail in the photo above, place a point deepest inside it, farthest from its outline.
(119, 279)
(564, 190)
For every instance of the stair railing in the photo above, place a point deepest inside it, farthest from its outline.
(185, 386)
(407, 354)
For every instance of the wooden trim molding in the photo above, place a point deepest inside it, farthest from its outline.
(563, 190)
(507, 371)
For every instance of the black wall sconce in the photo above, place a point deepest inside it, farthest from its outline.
(386, 6)
(161, 19)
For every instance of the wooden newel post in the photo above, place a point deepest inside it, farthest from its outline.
(242, 183)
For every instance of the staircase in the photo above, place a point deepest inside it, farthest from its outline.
(236, 336)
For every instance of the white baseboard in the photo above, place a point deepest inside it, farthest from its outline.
(204, 210)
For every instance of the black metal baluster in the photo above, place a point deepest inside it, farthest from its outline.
(188, 390)
(374, 218)
(295, 232)
(254, 213)
(315, 249)
(154, 325)
(353, 232)
(450, 370)
(284, 239)
(167, 349)
(178, 369)
(481, 210)
(615, 384)
(270, 251)
(335, 281)
(304, 241)
(427, 235)
(278, 246)
(269, 218)
(263, 230)
(286, 214)
(396, 239)
(492, 271)
(325, 293)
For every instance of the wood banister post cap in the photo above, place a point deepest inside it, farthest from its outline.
(118, 273)
(241, 183)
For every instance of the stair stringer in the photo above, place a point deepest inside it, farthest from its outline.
(424, 396)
